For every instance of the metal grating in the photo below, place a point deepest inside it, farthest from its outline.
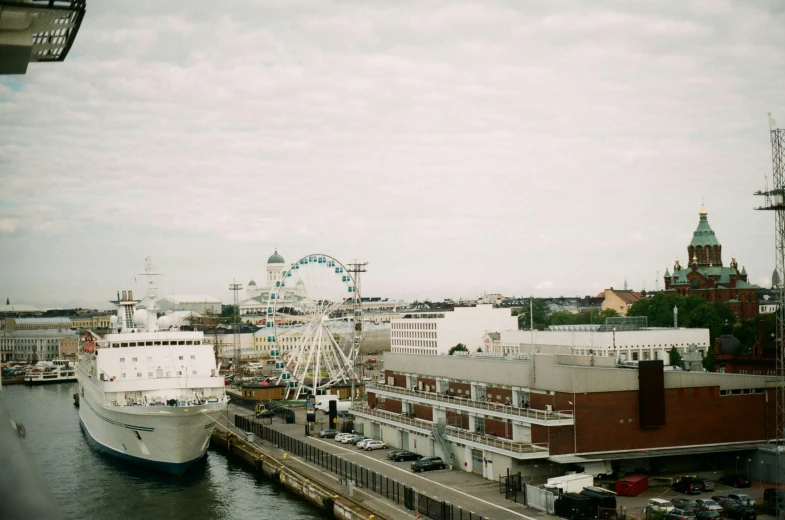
(53, 40)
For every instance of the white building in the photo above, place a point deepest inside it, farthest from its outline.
(27, 345)
(199, 303)
(224, 344)
(624, 345)
(258, 297)
(436, 332)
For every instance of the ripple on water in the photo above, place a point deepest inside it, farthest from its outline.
(90, 485)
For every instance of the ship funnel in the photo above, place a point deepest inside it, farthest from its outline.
(125, 296)
(130, 295)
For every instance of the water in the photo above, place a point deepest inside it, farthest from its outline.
(90, 485)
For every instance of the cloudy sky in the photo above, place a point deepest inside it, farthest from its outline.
(553, 148)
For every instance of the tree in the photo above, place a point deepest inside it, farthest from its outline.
(561, 318)
(694, 312)
(674, 358)
(479, 349)
(460, 347)
(540, 315)
(708, 360)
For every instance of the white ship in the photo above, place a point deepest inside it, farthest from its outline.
(149, 396)
(55, 371)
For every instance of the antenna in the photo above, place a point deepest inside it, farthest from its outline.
(152, 290)
(236, 288)
(657, 282)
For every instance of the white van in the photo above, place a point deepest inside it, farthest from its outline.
(659, 504)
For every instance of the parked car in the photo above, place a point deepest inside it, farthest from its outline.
(427, 464)
(659, 504)
(374, 445)
(685, 503)
(708, 515)
(406, 455)
(686, 486)
(328, 434)
(737, 481)
(351, 439)
(357, 441)
(725, 502)
(740, 512)
(743, 498)
(341, 436)
(680, 514)
(705, 484)
(391, 453)
(574, 506)
(363, 442)
(707, 504)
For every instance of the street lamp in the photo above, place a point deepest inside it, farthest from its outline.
(737, 464)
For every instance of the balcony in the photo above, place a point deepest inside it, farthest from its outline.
(516, 449)
(527, 415)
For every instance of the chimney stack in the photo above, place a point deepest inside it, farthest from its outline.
(125, 296)
(130, 295)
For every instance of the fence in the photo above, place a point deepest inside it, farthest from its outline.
(512, 487)
(357, 475)
(539, 498)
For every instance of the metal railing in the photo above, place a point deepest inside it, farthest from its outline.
(458, 433)
(530, 413)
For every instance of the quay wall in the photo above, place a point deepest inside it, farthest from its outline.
(342, 507)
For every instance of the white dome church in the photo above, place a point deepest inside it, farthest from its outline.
(258, 297)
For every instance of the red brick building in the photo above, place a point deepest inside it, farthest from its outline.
(707, 277)
(489, 414)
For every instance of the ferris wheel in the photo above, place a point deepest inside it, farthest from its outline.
(314, 319)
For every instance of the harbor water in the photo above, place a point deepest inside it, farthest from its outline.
(89, 485)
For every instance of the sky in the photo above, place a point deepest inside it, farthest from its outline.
(520, 147)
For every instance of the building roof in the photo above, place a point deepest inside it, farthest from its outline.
(627, 296)
(704, 235)
(18, 307)
(66, 322)
(251, 283)
(190, 298)
(276, 259)
(494, 335)
(40, 333)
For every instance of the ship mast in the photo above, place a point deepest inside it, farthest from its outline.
(152, 296)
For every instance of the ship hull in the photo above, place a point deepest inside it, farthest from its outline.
(31, 381)
(167, 439)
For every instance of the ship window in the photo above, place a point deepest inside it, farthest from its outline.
(193, 357)
(193, 372)
(189, 342)
(133, 359)
(122, 360)
(179, 373)
(123, 344)
(122, 374)
(197, 342)
(138, 374)
(156, 343)
(149, 374)
(180, 358)
(181, 342)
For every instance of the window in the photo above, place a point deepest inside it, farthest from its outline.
(133, 359)
(193, 357)
(193, 372)
(149, 374)
(180, 358)
(179, 373)
(138, 374)
(122, 374)
(122, 360)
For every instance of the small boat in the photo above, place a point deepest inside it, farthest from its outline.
(55, 371)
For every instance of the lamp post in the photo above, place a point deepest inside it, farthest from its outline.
(737, 464)
(748, 467)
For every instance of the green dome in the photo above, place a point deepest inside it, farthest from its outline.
(704, 235)
(276, 259)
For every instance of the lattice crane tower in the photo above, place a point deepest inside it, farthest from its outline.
(774, 200)
(236, 288)
(357, 269)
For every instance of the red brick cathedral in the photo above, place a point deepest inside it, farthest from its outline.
(707, 277)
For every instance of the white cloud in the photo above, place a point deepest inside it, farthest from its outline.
(455, 146)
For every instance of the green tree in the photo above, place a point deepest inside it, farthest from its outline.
(540, 309)
(228, 311)
(694, 312)
(479, 349)
(460, 347)
(674, 358)
(561, 318)
(708, 360)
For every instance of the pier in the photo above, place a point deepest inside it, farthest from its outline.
(355, 483)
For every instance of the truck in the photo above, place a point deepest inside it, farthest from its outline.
(324, 400)
(341, 406)
(573, 506)
(570, 483)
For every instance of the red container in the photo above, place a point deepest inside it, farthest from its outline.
(632, 485)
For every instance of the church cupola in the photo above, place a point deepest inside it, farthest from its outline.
(704, 247)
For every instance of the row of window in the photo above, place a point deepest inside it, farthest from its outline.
(150, 358)
(414, 326)
(407, 334)
(155, 343)
(413, 343)
(150, 374)
(742, 391)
